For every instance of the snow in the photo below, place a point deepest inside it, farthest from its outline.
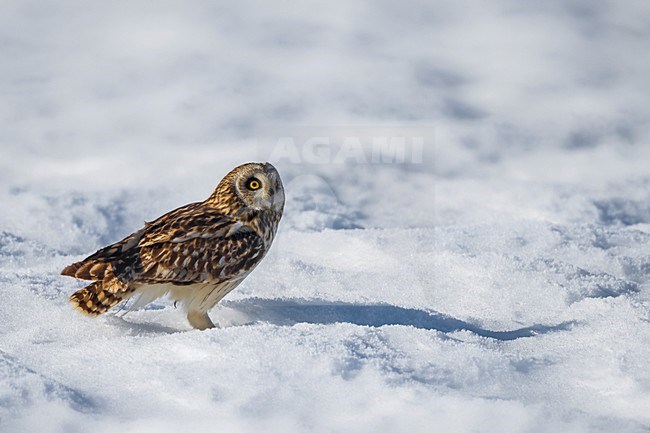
(498, 282)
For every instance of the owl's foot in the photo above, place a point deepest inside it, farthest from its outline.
(200, 320)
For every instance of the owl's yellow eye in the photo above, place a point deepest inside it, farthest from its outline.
(253, 184)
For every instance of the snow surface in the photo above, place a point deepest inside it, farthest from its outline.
(499, 285)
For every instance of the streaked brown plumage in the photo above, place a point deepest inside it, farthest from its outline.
(196, 253)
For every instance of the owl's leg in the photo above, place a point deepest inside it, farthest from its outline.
(200, 320)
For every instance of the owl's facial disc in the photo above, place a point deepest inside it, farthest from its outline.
(260, 188)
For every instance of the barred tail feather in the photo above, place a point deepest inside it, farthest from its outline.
(100, 296)
(88, 270)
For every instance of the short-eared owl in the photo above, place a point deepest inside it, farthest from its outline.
(196, 253)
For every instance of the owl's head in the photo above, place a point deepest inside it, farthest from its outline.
(253, 185)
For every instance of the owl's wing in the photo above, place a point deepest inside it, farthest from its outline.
(200, 259)
(194, 243)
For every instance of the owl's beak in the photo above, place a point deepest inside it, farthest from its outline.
(277, 193)
(277, 198)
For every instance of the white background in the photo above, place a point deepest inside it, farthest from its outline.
(501, 285)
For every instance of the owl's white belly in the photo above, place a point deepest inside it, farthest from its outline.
(200, 297)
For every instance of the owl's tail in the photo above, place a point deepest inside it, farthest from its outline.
(100, 296)
(105, 292)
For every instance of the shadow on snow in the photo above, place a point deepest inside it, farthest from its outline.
(288, 312)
